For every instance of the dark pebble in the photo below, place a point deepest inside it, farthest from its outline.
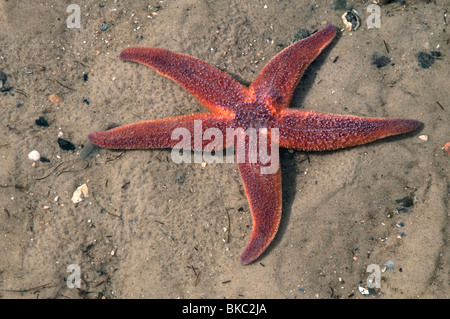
(425, 60)
(3, 78)
(372, 291)
(85, 77)
(380, 60)
(42, 121)
(104, 26)
(44, 159)
(5, 89)
(406, 201)
(66, 145)
(86, 101)
(19, 105)
(436, 54)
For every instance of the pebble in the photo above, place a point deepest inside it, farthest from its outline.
(363, 290)
(423, 137)
(380, 60)
(80, 193)
(34, 156)
(436, 54)
(406, 201)
(425, 60)
(42, 121)
(3, 78)
(55, 98)
(66, 145)
(447, 147)
(390, 264)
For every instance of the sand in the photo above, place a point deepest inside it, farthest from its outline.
(151, 228)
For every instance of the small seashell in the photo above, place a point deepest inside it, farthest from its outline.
(34, 156)
(351, 20)
(81, 193)
(363, 290)
(423, 137)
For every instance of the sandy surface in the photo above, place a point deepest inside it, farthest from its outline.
(171, 240)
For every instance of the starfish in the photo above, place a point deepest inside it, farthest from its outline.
(262, 106)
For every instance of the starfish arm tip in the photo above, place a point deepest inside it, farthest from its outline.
(248, 256)
(414, 124)
(92, 137)
(244, 261)
(125, 54)
(401, 126)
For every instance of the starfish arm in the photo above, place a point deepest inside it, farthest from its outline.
(158, 133)
(313, 131)
(263, 192)
(215, 89)
(276, 83)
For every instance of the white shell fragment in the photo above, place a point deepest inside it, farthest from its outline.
(34, 156)
(81, 193)
(363, 290)
(351, 20)
(423, 137)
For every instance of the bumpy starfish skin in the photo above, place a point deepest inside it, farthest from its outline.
(262, 105)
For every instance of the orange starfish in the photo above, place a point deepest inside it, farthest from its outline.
(264, 107)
